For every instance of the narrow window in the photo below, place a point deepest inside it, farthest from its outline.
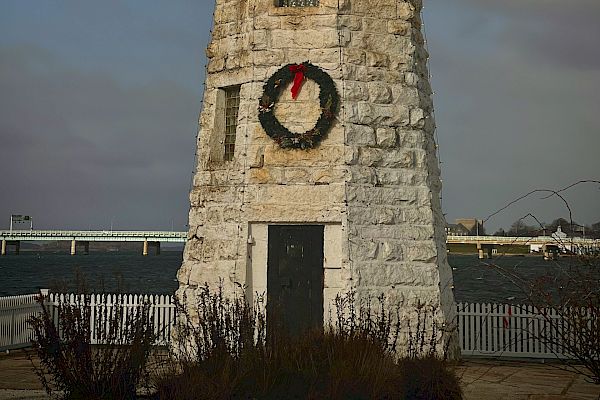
(298, 3)
(232, 106)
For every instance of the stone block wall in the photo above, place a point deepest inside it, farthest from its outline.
(375, 176)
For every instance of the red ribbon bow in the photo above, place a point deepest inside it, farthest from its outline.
(506, 320)
(299, 70)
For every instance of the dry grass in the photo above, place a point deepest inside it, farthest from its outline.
(225, 354)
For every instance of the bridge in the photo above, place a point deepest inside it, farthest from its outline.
(486, 245)
(548, 245)
(83, 238)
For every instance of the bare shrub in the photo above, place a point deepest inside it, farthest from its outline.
(569, 304)
(71, 365)
(568, 301)
(222, 350)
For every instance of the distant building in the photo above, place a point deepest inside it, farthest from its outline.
(559, 234)
(472, 225)
(457, 230)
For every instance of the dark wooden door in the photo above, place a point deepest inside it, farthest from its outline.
(295, 277)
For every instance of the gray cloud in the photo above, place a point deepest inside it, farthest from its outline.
(98, 115)
(83, 148)
(517, 87)
(561, 33)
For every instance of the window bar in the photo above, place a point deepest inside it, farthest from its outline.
(232, 105)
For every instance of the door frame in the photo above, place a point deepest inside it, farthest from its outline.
(335, 269)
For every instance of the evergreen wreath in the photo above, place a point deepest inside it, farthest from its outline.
(328, 98)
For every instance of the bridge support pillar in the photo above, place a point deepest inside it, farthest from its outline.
(75, 244)
(485, 250)
(550, 252)
(6, 243)
(148, 244)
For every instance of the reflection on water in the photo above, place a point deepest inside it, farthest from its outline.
(474, 280)
(493, 280)
(129, 272)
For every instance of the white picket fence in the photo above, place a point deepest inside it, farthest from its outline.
(16, 310)
(503, 330)
(490, 330)
(162, 311)
(14, 313)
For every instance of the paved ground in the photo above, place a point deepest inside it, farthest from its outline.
(16, 372)
(481, 380)
(495, 380)
(17, 379)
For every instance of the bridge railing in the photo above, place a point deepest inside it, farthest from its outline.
(521, 239)
(104, 235)
(28, 233)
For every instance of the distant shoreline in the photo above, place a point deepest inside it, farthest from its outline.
(510, 249)
(458, 253)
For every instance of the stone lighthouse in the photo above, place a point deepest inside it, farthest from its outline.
(316, 166)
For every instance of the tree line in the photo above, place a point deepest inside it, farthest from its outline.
(571, 228)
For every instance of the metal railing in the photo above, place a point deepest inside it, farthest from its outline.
(521, 240)
(139, 236)
(171, 236)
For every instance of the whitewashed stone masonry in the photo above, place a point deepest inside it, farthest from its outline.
(374, 182)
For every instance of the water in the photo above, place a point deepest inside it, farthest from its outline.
(493, 281)
(474, 280)
(125, 272)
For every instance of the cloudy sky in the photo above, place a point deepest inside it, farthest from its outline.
(99, 103)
